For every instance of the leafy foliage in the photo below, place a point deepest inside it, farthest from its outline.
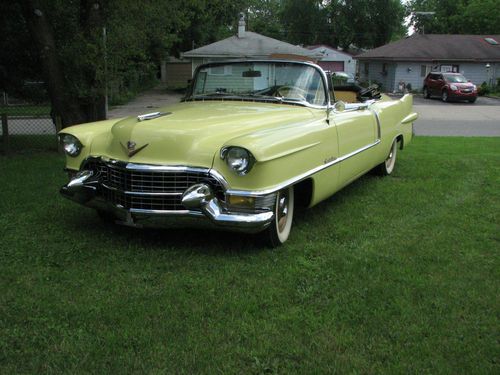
(117, 45)
(455, 16)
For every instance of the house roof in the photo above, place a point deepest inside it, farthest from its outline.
(250, 45)
(437, 48)
(320, 46)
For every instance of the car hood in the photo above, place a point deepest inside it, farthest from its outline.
(191, 133)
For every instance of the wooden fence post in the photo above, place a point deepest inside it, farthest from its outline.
(5, 133)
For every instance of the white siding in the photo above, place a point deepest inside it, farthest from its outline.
(411, 73)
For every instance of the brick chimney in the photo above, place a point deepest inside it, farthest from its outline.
(241, 26)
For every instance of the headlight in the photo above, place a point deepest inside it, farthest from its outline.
(238, 159)
(454, 87)
(474, 87)
(71, 145)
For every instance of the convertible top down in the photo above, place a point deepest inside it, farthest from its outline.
(250, 141)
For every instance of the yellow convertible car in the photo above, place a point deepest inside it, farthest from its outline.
(250, 142)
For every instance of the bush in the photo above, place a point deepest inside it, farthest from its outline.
(484, 89)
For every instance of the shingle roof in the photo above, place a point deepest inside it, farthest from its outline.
(437, 47)
(251, 45)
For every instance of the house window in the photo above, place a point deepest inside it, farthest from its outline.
(221, 70)
(449, 68)
(423, 70)
(367, 68)
(384, 68)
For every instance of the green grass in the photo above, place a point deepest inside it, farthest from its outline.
(390, 275)
(29, 143)
(26, 110)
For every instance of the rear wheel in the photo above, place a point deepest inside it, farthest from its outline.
(386, 168)
(281, 226)
(427, 95)
(444, 96)
(473, 100)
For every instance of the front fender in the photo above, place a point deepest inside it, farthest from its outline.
(88, 134)
(281, 154)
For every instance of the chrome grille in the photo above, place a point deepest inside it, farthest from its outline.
(149, 189)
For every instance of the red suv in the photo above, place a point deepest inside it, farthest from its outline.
(449, 86)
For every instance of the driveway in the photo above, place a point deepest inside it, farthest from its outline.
(457, 118)
(146, 102)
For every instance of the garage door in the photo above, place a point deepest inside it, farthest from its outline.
(332, 66)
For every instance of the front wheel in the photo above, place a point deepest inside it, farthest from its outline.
(386, 168)
(444, 96)
(281, 226)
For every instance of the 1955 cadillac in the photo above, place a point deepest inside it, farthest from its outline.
(250, 142)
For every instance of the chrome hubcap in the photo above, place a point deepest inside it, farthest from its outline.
(389, 162)
(282, 211)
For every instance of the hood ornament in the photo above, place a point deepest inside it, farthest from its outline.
(130, 148)
(153, 115)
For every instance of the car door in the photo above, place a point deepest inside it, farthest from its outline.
(358, 135)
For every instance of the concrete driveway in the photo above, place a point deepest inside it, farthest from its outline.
(457, 118)
(146, 102)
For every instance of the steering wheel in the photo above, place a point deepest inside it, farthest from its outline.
(292, 92)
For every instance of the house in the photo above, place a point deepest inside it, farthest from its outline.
(333, 59)
(247, 44)
(409, 60)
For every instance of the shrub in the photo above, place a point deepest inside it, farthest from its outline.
(484, 89)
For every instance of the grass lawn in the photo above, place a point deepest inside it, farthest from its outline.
(390, 275)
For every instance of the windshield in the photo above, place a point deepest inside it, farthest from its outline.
(269, 81)
(456, 78)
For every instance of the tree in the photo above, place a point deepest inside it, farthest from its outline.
(63, 103)
(366, 23)
(456, 16)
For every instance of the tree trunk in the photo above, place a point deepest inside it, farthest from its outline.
(92, 23)
(62, 103)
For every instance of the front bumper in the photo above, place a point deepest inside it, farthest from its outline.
(461, 95)
(200, 200)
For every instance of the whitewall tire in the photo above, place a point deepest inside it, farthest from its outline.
(281, 226)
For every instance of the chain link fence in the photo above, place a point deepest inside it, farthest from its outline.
(26, 126)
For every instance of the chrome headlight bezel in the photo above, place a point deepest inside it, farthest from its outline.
(70, 144)
(238, 159)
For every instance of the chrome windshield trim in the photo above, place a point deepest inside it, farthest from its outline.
(320, 70)
(301, 177)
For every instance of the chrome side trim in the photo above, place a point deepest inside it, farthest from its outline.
(301, 177)
(379, 129)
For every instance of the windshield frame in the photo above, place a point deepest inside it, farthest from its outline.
(190, 97)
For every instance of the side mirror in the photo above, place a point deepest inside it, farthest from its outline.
(339, 106)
